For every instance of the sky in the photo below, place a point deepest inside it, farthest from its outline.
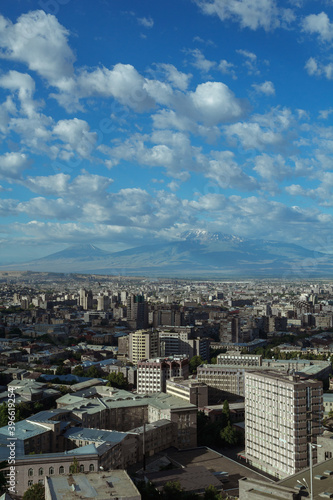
(127, 122)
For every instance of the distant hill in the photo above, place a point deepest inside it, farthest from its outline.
(196, 253)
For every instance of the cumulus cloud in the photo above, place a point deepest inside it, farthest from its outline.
(272, 168)
(266, 88)
(200, 62)
(317, 68)
(40, 41)
(318, 24)
(76, 136)
(24, 86)
(177, 78)
(224, 170)
(12, 165)
(227, 68)
(252, 14)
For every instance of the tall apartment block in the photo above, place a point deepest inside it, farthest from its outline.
(152, 374)
(137, 311)
(282, 414)
(230, 332)
(86, 299)
(143, 344)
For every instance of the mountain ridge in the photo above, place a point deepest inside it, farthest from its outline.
(194, 253)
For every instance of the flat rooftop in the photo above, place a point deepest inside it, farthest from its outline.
(322, 479)
(97, 486)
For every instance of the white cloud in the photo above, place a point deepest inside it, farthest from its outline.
(252, 14)
(147, 22)
(271, 168)
(250, 61)
(215, 103)
(266, 88)
(177, 78)
(38, 40)
(200, 62)
(325, 113)
(76, 135)
(12, 165)
(24, 85)
(316, 68)
(227, 68)
(320, 25)
(253, 136)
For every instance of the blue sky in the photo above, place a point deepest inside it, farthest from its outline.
(129, 122)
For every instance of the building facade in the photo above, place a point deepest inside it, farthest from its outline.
(143, 344)
(282, 414)
(152, 374)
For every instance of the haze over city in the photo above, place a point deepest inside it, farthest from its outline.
(128, 123)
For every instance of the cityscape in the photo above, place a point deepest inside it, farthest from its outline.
(219, 388)
(166, 258)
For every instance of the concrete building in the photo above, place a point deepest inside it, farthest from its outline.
(226, 381)
(252, 489)
(152, 374)
(192, 391)
(234, 358)
(137, 311)
(282, 413)
(328, 403)
(143, 344)
(94, 486)
(109, 408)
(325, 451)
(181, 341)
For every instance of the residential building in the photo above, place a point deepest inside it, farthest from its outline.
(152, 374)
(282, 413)
(143, 344)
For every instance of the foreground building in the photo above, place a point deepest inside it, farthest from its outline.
(98, 486)
(282, 414)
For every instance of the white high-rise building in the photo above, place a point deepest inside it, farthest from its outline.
(282, 414)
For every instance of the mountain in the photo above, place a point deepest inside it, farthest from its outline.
(196, 253)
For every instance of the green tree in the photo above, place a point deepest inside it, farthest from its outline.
(226, 410)
(172, 490)
(229, 435)
(195, 362)
(35, 492)
(74, 468)
(211, 493)
(79, 371)
(92, 372)
(117, 380)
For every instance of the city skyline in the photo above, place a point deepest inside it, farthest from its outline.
(125, 124)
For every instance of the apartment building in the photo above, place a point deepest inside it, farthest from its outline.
(143, 344)
(152, 374)
(282, 414)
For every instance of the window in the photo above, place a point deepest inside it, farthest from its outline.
(61, 470)
(51, 471)
(41, 481)
(41, 471)
(81, 468)
(30, 483)
(91, 468)
(30, 472)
